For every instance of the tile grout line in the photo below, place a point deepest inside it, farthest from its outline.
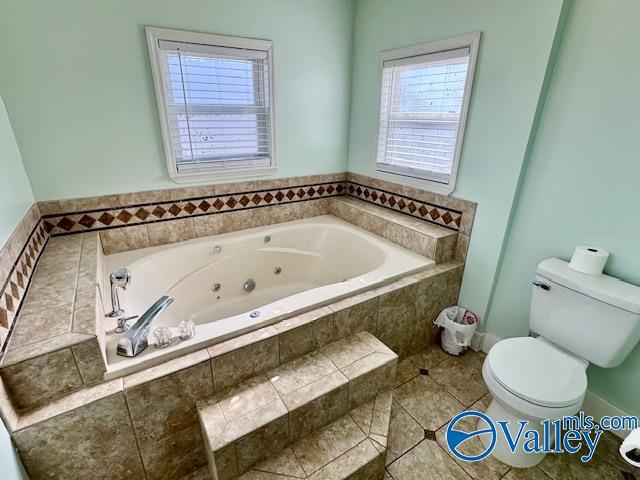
(135, 434)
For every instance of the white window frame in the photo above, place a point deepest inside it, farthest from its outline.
(209, 172)
(413, 177)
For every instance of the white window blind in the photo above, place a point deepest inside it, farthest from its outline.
(216, 102)
(421, 103)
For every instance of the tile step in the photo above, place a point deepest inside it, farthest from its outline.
(353, 447)
(249, 422)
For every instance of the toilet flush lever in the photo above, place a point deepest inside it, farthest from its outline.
(543, 286)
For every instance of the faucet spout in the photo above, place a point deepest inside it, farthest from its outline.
(135, 340)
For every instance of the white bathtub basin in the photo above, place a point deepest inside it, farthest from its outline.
(321, 260)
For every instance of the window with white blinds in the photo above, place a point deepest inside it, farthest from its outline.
(215, 98)
(424, 95)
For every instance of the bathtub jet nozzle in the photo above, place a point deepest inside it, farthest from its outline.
(249, 285)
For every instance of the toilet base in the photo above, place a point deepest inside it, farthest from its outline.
(501, 451)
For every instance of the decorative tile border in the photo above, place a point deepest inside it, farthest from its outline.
(446, 217)
(109, 218)
(14, 288)
(102, 219)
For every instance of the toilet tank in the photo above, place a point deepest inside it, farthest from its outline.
(596, 317)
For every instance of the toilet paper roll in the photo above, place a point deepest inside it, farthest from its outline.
(630, 448)
(589, 260)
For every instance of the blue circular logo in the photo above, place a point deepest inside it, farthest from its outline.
(457, 437)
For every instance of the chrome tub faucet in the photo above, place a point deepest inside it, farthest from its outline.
(135, 340)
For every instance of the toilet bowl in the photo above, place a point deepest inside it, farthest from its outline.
(530, 379)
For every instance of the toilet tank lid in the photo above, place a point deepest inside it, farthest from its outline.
(605, 288)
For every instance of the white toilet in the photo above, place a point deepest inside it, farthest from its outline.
(575, 319)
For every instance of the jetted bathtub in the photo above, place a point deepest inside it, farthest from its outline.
(296, 266)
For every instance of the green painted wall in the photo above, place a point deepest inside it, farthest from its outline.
(514, 53)
(15, 192)
(581, 185)
(15, 200)
(78, 88)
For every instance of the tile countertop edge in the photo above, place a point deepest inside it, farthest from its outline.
(38, 349)
(68, 403)
(89, 254)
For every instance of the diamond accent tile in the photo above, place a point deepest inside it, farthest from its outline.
(175, 210)
(65, 223)
(158, 212)
(124, 216)
(142, 214)
(204, 205)
(87, 221)
(106, 218)
(190, 208)
(232, 202)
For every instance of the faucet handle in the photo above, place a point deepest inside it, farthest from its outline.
(122, 323)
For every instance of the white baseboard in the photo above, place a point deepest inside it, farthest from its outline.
(598, 407)
(476, 341)
(488, 341)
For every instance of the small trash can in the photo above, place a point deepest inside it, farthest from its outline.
(459, 324)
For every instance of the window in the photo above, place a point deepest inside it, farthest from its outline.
(215, 98)
(424, 97)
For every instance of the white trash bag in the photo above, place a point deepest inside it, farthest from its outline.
(459, 325)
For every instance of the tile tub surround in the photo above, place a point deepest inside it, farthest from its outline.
(53, 348)
(175, 450)
(161, 401)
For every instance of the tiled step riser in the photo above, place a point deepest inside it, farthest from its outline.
(237, 445)
(283, 431)
(353, 447)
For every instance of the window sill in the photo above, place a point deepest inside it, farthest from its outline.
(435, 187)
(222, 175)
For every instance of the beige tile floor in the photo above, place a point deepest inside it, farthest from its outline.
(424, 403)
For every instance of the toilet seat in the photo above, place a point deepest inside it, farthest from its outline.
(537, 373)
